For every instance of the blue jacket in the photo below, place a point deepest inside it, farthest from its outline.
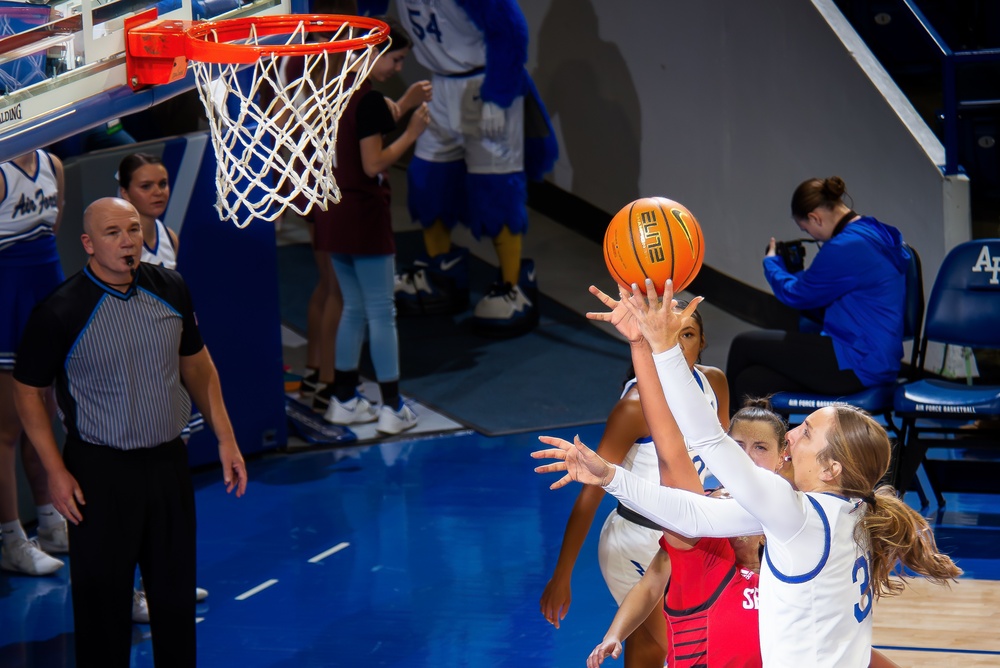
(859, 277)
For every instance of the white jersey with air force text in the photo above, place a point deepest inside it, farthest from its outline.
(31, 206)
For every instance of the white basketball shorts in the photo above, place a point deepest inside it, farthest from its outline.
(624, 553)
(454, 132)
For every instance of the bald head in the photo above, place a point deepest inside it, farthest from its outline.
(112, 237)
(104, 208)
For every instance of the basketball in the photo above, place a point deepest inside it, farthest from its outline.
(656, 238)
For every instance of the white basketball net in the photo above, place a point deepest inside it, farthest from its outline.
(279, 155)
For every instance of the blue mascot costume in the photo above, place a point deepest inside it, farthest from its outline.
(489, 133)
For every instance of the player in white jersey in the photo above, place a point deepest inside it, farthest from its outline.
(472, 164)
(832, 540)
(628, 540)
(31, 203)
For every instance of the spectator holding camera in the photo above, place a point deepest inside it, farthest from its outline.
(857, 279)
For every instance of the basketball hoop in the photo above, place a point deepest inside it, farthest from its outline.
(266, 126)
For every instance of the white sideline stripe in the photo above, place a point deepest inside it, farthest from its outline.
(256, 590)
(333, 550)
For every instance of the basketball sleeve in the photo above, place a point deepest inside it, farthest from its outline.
(374, 117)
(681, 511)
(764, 494)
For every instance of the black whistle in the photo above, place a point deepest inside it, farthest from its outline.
(129, 260)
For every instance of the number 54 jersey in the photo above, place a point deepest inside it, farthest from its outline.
(445, 40)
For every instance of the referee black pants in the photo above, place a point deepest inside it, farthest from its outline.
(139, 511)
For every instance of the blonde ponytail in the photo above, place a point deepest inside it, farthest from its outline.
(899, 535)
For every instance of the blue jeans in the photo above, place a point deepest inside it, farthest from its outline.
(366, 283)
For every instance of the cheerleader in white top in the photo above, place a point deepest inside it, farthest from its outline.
(833, 540)
(144, 182)
(628, 540)
(31, 204)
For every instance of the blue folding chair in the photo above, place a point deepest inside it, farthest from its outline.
(963, 310)
(877, 400)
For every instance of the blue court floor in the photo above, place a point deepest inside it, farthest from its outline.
(411, 553)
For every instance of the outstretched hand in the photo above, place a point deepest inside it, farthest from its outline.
(658, 318)
(618, 316)
(578, 461)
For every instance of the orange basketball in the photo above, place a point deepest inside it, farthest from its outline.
(656, 238)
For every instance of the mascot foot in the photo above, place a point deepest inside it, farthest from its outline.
(509, 310)
(435, 286)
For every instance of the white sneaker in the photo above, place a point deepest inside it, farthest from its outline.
(24, 556)
(54, 540)
(200, 594)
(503, 302)
(140, 609)
(357, 410)
(394, 422)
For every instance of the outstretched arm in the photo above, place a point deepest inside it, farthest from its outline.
(676, 469)
(766, 496)
(684, 512)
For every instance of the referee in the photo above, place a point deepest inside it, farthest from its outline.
(120, 342)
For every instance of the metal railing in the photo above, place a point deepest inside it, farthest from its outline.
(950, 62)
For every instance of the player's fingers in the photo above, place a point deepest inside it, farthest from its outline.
(241, 472)
(605, 298)
(560, 443)
(562, 482)
(551, 468)
(640, 304)
(668, 291)
(651, 295)
(690, 308)
(549, 454)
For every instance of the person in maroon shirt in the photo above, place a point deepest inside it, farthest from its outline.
(357, 232)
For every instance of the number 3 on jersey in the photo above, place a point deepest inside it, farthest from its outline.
(863, 607)
(421, 31)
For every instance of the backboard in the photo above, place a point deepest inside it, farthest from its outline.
(64, 73)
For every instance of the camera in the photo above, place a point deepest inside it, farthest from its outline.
(793, 253)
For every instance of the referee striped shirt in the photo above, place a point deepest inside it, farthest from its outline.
(114, 357)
